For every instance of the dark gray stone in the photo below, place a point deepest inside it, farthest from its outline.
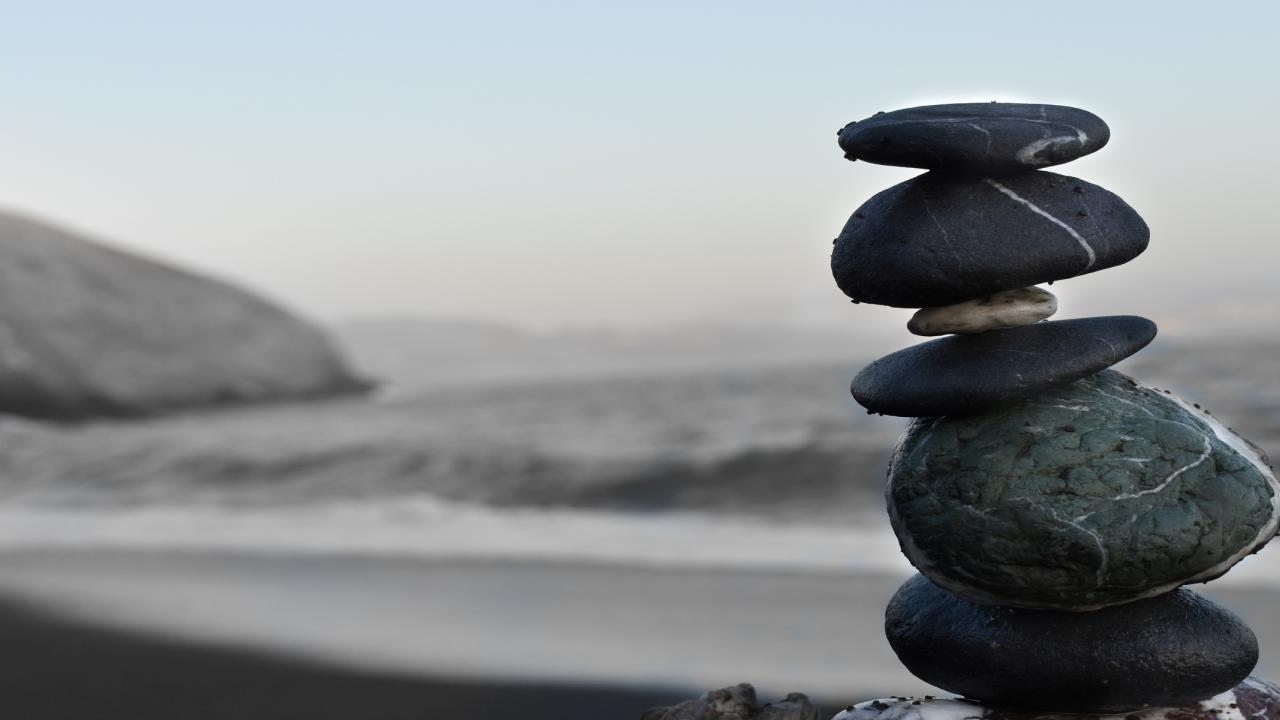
(967, 374)
(737, 702)
(1171, 650)
(1096, 494)
(978, 138)
(940, 239)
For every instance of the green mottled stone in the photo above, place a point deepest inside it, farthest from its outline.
(1102, 492)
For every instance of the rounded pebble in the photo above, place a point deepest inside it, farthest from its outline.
(1165, 651)
(939, 239)
(1099, 493)
(1008, 308)
(980, 138)
(968, 374)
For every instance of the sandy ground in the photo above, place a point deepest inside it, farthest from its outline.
(55, 669)
(572, 626)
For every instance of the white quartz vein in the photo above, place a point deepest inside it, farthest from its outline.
(967, 119)
(1104, 558)
(946, 237)
(984, 131)
(1105, 341)
(1266, 694)
(1204, 455)
(1027, 153)
(1093, 258)
(1117, 398)
(1075, 408)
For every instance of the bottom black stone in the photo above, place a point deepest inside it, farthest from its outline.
(1171, 650)
(1252, 699)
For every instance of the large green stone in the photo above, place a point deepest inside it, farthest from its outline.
(1102, 492)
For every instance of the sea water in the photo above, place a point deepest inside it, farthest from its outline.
(766, 467)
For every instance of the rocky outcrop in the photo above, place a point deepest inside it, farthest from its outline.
(88, 331)
(736, 703)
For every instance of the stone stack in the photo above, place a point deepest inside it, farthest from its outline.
(1054, 507)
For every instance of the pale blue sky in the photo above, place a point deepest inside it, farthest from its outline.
(596, 163)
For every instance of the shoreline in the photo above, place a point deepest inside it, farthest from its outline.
(530, 622)
(53, 668)
(543, 631)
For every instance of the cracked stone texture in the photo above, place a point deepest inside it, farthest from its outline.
(1099, 493)
(978, 138)
(737, 702)
(1174, 649)
(1253, 699)
(963, 375)
(940, 239)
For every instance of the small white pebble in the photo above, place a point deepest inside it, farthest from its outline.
(1008, 308)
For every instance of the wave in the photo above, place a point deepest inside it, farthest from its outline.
(764, 481)
(427, 527)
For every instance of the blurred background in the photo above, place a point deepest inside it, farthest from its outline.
(403, 359)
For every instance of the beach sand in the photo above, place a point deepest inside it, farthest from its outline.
(55, 669)
(152, 634)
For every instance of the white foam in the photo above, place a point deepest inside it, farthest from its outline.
(428, 527)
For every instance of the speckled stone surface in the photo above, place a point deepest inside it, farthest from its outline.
(940, 239)
(737, 702)
(980, 138)
(1252, 699)
(1095, 494)
(1007, 308)
(967, 374)
(1170, 650)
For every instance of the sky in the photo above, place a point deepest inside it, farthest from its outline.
(559, 164)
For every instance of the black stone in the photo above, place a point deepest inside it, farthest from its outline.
(966, 374)
(940, 239)
(977, 138)
(1170, 650)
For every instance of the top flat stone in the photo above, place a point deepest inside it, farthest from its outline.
(977, 138)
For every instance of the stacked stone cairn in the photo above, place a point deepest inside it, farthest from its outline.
(1055, 508)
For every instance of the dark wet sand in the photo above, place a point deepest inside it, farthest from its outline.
(136, 636)
(68, 670)
(142, 635)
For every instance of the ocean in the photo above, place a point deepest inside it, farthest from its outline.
(771, 466)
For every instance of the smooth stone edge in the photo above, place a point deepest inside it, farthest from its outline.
(1024, 156)
(1003, 405)
(1223, 706)
(1237, 443)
